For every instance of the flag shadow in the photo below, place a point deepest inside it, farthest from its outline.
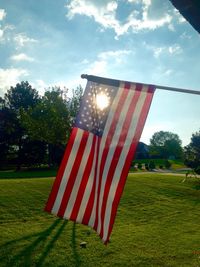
(25, 256)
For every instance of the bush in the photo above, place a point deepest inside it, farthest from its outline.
(140, 165)
(147, 166)
(197, 170)
(167, 164)
(152, 165)
(161, 167)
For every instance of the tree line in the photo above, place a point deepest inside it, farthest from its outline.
(34, 129)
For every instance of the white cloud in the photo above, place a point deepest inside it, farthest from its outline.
(9, 77)
(1, 33)
(105, 15)
(21, 39)
(2, 14)
(106, 59)
(168, 72)
(175, 49)
(178, 15)
(158, 51)
(22, 57)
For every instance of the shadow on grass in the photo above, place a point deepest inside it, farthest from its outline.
(44, 242)
(74, 248)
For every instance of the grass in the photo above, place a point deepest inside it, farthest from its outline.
(157, 225)
(34, 173)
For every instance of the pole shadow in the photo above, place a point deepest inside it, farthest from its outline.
(74, 247)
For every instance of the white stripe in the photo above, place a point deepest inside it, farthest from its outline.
(67, 171)
(115, 139)
(102, 145)
(121, 162)
(79, 177)
(88, 189)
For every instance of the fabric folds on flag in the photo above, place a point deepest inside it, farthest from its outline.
(97, 159)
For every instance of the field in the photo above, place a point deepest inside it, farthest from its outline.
(157, 225)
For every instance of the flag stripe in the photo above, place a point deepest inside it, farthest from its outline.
(101, 148)
(106, 149)
(118, 150)
(119, 119)
(124, 165)
(83, 182)
(79, 178)
(88, 189)
(57, 182)
(90, 203)
(73, 174)
(69, 165)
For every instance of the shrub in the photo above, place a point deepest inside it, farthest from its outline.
(140, 165)
(147, 166)
(152, 165)
(167, 164)
(161, 167)
(197, 170)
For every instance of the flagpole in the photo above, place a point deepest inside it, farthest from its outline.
(114, 82)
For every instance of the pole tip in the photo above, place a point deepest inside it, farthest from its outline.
(84, 76)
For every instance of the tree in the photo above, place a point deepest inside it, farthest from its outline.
(49, 121)
(192, 151)
(165, 145)
(22, 96)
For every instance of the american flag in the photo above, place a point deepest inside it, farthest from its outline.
(97, 159)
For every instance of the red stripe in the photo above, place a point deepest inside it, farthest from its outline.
(117, 153)
(90, 203)
(73, 174)
(56, 185)
(107, 145)
(130, 155)
(84, 182)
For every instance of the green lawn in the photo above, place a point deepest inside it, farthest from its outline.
(35, 173)
(157, 225)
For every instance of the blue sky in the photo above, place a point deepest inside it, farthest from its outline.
(52, 42)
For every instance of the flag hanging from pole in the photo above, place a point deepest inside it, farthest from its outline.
(97, 159)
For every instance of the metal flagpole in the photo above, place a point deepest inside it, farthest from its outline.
(114, 82)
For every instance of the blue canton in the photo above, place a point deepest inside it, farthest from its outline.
(91, 117)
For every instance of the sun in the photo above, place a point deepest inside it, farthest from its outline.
(102, 101)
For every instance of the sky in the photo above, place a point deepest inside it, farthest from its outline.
(51, 42)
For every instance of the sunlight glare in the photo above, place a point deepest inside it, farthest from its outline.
(102, 101)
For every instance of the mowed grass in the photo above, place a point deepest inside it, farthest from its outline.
(158, 224)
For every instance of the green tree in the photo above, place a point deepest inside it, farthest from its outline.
(165, 144)
(18, 97)
(192, 151)
(49, 121)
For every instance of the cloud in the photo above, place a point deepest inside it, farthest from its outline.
(2, 14)
(174, 49)
(21, 39)
(106, 59)
(9, 77)
(22, 57)
(105, 15)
